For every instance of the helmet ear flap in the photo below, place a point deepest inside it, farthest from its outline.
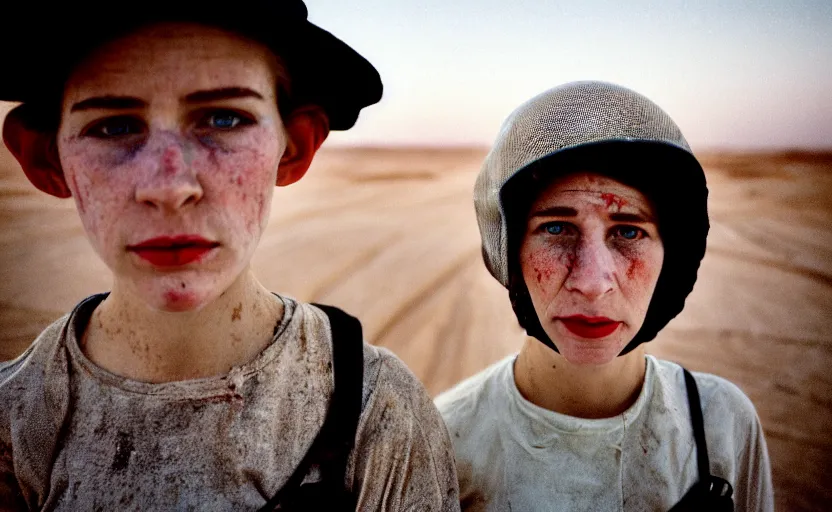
(521, 303)
(519, 193)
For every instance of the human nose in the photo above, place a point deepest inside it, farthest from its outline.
(592, 272)
(170, 182)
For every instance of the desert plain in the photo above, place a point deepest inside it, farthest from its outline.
(389, 235)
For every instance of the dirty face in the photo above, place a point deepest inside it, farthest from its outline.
(170, 140)
(590, 257)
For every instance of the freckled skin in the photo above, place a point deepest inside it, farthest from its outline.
(589, 268)
(177, 174)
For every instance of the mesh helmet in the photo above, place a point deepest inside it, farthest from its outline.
(604, 128)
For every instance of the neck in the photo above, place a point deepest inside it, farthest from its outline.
(127, 338)
(548, 380)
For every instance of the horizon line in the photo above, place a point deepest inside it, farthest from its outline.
(370, 146)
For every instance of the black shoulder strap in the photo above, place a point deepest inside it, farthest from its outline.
(333, 445)
(711, 492)
(702, 461)
(340, 427)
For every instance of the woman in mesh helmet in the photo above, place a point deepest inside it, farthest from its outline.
(593, 214)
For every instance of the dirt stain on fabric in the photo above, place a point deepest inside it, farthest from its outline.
(124, 448)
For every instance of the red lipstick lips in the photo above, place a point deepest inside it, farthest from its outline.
(173, 251)
(590, 326)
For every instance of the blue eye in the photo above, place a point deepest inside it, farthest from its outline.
(554, 228)
(115, 127)
(630, 232)
(224, 121)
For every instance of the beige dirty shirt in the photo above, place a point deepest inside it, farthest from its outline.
(75, 437)
(515, 456)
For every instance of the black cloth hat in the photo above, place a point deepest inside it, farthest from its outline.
(40, 46)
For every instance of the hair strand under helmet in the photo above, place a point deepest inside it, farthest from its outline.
(611, 130)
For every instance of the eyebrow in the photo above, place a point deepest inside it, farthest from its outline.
(226, 93)
(565, 211)
(630, 217)
(108, 103)
(555, 211)
(129, 102)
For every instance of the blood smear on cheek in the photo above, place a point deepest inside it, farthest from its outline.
(545, 263)
(636, 267)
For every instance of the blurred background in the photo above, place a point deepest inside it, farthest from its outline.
(734, 74)
(383, 224)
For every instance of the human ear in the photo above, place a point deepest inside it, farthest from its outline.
(37, 153)
(307, 127)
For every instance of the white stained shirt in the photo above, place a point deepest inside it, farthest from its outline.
(219, 443)
(515, 456)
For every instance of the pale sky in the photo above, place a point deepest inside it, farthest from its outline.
(732, 73)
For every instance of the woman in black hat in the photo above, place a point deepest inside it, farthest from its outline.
(593, 214)
(190, 386)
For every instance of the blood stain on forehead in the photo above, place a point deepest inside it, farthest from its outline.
(612, 199)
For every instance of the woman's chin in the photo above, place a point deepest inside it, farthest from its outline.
(589, 352)
(589, 357)
(176, 292)
(179, 299)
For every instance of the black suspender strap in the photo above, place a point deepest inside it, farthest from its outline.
(334, 443)
(348, 365)
(710, 492)
(703, 464)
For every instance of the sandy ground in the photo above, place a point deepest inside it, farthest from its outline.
(390, 236)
